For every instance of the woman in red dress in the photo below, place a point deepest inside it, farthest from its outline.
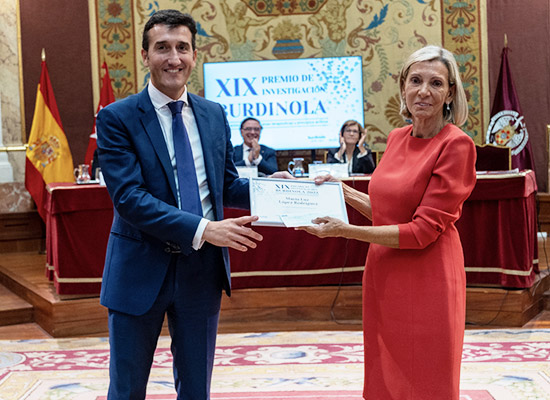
(414, 285)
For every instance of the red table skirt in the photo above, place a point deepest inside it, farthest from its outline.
(78, 221)
(498, 231)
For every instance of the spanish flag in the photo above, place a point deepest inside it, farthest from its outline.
(106, 97)
(49, 158)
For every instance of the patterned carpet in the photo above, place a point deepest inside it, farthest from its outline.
(497, 365)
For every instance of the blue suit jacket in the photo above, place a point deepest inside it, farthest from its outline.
(268, 165)
(147, 223)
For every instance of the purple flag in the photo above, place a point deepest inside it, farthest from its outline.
(507, 125)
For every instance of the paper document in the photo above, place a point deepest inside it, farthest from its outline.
(291, 203)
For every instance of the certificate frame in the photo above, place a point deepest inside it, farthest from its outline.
(295, 202)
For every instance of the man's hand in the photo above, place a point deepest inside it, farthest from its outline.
(255, 151)
(320, 179)
(282, 175)
(232, 233)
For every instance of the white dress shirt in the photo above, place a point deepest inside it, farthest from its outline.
(160, 102)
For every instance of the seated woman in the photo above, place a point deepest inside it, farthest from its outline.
(353, 149)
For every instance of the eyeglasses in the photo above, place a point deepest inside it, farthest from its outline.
(351, 130)
(250, 129)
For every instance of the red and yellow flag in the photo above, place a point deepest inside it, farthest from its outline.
(106, 96)
(49, 158)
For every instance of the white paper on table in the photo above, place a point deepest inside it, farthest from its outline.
(292, 221)
(247, 172)
(336, 170)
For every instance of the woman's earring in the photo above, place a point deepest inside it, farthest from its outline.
(448, 107)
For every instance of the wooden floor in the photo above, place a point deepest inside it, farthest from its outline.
(30, 308)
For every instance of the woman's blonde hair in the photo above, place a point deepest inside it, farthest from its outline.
(458, 113)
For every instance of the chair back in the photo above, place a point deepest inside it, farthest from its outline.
(493, 158)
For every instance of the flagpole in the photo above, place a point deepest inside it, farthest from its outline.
(507, 119)
(41, 167)
(104, 61)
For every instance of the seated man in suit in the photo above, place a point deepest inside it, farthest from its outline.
(95, 165)
(251, 153)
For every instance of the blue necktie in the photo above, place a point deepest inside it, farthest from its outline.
(185, 165)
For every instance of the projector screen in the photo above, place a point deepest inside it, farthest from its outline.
(300, 103)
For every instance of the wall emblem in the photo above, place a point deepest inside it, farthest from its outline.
(507, 128)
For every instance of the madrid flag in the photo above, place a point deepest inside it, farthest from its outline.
(48, 155)
(106, 96)
(507, 125)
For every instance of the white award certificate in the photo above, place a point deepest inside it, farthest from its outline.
(291, 203)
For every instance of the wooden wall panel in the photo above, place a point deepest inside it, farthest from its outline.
(61, 27)
(527, 25)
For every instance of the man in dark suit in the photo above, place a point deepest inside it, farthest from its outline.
(167, 251)
(251, 153)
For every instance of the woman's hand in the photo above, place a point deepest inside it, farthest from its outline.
(342, 148)
(324, 227)
(361, 143)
